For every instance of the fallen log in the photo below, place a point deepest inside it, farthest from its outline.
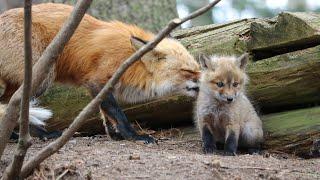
(281, 82)
(263, 38)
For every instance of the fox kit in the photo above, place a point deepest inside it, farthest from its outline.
(223, 112)
(91, 57)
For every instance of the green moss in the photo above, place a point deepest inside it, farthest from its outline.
(65, 102)
(292, 122)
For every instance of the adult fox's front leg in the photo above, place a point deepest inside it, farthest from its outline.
(117, 123)
(112, 110)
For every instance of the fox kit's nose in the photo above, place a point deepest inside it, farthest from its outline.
(229, 99)
(193, 88)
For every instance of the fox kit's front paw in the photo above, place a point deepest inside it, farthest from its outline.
(209, 143)
(231, 144)
(228, 153)
(147, 139)
(209, 149)
(254, 151)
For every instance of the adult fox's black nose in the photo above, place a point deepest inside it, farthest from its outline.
(229, 99)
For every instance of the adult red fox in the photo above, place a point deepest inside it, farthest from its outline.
(223, 112)
(92, 55)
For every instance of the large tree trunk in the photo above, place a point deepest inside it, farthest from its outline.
(148, 14)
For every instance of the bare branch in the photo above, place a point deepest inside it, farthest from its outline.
(90, 108)
(13, 170)
(41, 69)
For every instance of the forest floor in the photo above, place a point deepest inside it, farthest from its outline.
(176, 156)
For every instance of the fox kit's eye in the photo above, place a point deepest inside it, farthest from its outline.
(235, 84)
(220, 84)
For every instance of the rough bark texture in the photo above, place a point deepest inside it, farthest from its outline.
(151, 15)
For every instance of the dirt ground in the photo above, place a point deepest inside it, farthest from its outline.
(176, 156)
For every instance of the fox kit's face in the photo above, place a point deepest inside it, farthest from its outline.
(223, 78)
(172, 68)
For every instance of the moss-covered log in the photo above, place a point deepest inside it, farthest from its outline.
(262, 37)
(296, 132)
(288, 32)
(281, 82)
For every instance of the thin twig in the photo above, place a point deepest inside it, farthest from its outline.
(142, 130)
(94, 104)
(13, 170)
(41, 69)
(62, 174)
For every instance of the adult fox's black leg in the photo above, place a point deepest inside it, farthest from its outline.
(113, 111)
(118, 126)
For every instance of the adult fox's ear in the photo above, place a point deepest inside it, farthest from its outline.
(137, 43)
(204, 61)
(242, 61)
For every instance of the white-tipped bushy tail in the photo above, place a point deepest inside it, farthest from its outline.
(37, 115)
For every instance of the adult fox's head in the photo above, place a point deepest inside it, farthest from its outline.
(167, 69)
(223, 77)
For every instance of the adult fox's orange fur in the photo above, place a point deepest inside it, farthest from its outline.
(94, 53)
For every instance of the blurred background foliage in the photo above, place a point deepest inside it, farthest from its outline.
(154, 14)
(228, 10)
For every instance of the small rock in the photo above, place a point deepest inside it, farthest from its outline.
(73, 141)
(266, 155)
(216, 163)
(134, 157)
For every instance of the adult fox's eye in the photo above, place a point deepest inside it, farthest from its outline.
(220, 84)
(188, 73)
(235, 84)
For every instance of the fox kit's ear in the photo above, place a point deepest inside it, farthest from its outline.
(137, 43)
(204, 61)
(242, 61)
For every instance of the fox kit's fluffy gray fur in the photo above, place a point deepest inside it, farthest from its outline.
(223, 112)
